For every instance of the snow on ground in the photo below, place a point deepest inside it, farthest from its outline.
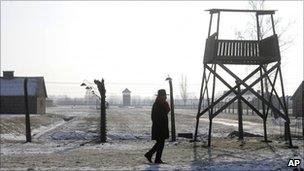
(65, 139)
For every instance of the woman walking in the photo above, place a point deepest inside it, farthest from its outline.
(160, 130)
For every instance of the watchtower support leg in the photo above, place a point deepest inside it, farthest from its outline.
(196, 129)
(287, 124)
(199, 105)
(211, 110)
(240, 113)
(209, 132)
(265, 130)
(204, 87)
(263, 107)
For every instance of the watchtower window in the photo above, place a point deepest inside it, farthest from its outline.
(237, 26)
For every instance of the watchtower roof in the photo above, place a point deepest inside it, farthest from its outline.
(216, 10)
(126, 91)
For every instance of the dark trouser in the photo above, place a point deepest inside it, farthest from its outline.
(158, 148)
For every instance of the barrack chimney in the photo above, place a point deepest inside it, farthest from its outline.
(8, 74)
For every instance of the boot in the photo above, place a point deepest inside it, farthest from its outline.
(148, 157)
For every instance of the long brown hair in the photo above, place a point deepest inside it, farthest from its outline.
(163, 102)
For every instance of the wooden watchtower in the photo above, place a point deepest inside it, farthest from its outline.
(263, 54)
(126, 97)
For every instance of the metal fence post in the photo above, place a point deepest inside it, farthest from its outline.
(173, 134)
(103, 121)
(27, 113)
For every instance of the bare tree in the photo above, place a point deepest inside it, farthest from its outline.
(285, 41)
(184, 89)
(281, 29)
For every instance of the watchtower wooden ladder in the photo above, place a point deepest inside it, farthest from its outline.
(261, 53)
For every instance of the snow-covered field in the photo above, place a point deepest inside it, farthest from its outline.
(65, 139)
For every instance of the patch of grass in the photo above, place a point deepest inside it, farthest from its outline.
(16, 123)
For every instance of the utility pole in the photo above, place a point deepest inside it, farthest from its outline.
(173, 136)
(27, 113)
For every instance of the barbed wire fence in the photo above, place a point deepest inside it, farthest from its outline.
(143, 94)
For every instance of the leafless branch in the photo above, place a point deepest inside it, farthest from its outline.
(184, 88)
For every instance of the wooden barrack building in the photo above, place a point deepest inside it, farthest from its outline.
(12, 94)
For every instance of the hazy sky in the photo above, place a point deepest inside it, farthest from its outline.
(131, 45)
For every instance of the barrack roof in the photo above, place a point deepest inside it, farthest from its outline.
(214, 10)
(14, 86)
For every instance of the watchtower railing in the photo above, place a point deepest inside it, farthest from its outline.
(228, 48)
(241, 51)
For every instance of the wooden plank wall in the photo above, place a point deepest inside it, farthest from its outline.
(237, 48)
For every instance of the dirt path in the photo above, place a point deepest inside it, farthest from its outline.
(37, 133)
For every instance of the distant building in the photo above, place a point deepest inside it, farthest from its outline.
(12, 94)
(247, 95)
(126, 97)
(297, 101)
(49, 102)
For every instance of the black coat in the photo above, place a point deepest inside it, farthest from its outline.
(159, 117)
